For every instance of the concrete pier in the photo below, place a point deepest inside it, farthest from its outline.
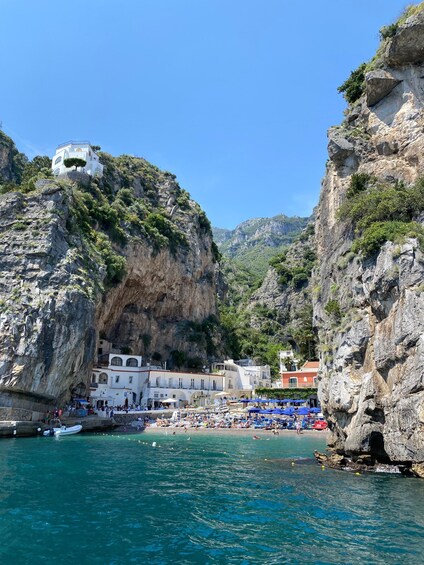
(11, 428)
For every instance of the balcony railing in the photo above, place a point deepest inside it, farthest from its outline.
(73, 143)
(177, 387)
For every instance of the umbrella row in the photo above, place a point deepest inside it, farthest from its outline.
(302, 411)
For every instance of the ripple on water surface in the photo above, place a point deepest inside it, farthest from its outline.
(207, 499)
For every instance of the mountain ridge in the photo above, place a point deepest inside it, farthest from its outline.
(256, 240)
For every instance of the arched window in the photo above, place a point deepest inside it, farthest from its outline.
(293, 382)
(117, 361)
(103, 379)
(131, 362)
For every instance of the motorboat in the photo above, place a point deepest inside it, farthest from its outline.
(58, 430)
(320, 425)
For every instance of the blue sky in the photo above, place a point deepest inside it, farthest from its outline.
(233, 96)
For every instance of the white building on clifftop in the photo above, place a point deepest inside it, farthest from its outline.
(77, 150)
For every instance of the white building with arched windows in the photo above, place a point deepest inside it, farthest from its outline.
(79, 150)
(122, 382)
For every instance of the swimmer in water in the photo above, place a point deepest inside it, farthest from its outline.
(256, 437)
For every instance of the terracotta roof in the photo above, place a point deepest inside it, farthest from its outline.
(311, 365)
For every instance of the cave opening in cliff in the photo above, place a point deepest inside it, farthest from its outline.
(376, 443)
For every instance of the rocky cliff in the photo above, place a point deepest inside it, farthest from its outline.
(128, 257)
(370, 302)
(12, 162)
(287, 293)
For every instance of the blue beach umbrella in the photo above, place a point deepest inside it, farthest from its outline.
(254, 409)
(315, 410)
(303, 410)
(244, 400)
(298, 401)
(288, 411)
(287, 400)
(278, 411)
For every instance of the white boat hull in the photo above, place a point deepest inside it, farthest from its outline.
(64, 431)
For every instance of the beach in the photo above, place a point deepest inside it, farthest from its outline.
(167, 430)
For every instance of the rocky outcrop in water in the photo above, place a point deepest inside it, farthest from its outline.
(370, 305)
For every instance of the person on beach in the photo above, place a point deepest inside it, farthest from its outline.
(298, 426)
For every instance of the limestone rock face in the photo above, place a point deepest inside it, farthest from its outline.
(379, 84)
(11, 161)
(159, 294)
(372, 349)
(407, 46)
(47, 336)
(55, 298)
(290, 298)
(339, 148)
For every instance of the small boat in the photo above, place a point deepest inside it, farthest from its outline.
(320, 425)
(58, 430)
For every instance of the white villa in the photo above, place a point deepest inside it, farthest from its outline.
(123, 381)
(80, 150)
(243, 377)
(287, 358)
(183, 388)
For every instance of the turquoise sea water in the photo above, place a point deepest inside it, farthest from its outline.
(209, 499)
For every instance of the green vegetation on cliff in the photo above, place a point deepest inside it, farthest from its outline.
(296, 275)
(354, 86)
(280, 393)
(133, 200)
(255, 326)
(16, 172)
(380, 212)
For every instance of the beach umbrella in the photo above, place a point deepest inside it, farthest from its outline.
(244, 400)
(254, 409)
(315, 410)
(298, 401)
(169, 401)
(303, 410)
(278, 411)
(288, 411)
(286, 400)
